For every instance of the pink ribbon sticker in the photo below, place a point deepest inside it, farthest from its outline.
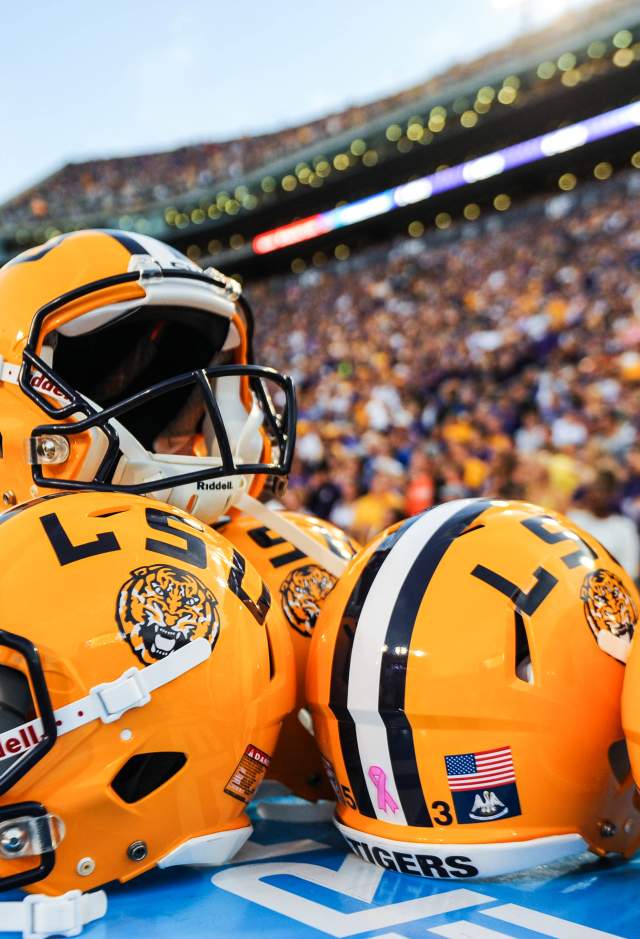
(386, 802)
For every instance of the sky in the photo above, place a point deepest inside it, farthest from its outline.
(83, 79)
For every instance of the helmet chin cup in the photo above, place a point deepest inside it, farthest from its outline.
(206, 499)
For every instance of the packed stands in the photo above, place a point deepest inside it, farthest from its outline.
(500, 362)
(497, 356)
(107, 188)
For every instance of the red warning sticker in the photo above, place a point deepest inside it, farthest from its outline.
(248, 774)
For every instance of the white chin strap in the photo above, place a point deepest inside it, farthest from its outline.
(39, 916)
(210, 499)
(331, 562)
(109, 701)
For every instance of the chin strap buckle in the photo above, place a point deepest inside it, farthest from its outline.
(39, 916)
(114, 698)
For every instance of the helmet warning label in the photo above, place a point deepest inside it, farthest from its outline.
(248, 774)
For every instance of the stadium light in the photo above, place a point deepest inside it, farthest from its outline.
(493, 164)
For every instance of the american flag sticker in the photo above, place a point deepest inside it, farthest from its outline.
(483, 785)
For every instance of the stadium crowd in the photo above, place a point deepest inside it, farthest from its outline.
(134, 183)
(505, 365)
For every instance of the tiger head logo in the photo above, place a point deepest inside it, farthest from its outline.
(161, 608)
(302, 594)
(608, 604)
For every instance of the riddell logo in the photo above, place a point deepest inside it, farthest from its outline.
(25, 738)
(47, 387)
(214, 487)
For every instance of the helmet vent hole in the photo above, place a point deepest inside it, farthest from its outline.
(619, 760)
(523, 667)
(144, 773)
(272, 667)
(468, 531)
(110, 512)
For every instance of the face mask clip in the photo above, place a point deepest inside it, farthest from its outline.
(145, 265)
(29, 835)
(28, 830)
(53, 449)
(230, 286)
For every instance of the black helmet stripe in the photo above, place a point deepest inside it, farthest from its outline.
(400, 590)
(341, 665)
(393, 670)
(37, 255)
(126, 240)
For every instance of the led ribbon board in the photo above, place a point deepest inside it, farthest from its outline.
(464, 174)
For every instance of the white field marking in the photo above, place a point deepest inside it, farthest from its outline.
(248, 882)
(252, 851)
(551, 926)
(464, 929)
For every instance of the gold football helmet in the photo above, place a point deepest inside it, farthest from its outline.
(143, 683)
(463, 705)
(299, 587)
(125, 367)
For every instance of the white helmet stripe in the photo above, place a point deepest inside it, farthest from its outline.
(380, 738)
(366, 661)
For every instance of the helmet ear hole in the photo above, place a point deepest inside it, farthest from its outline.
(523, 667)
(619, 760)
(144, 773)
